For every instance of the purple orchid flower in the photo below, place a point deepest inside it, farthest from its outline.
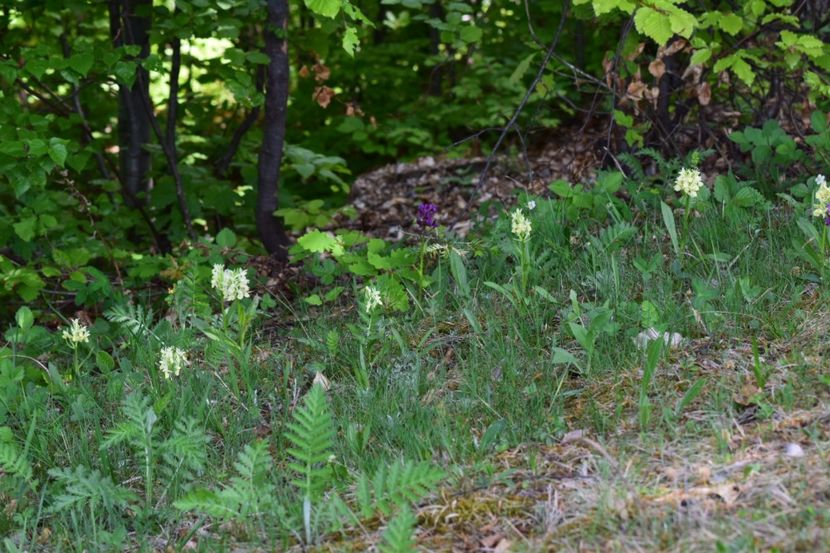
(426, 215)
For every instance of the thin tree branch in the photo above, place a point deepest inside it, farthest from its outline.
(531, 88)
(224, 162)
(168, 149)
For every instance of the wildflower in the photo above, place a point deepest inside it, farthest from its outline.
(827, 216)
(689, 181)
(822, 196)
(373, 298)
(172, 360)
(521, 226)
(76, 333)
(531, 205)
(426, 215)
(233, 283)
(217, 276)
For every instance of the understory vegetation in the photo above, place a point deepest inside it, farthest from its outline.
(207, 346)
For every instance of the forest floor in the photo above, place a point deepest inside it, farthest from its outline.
(751, 477)
(754, 480)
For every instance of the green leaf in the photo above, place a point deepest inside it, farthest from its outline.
(701, 56)
(602, 7)
(730, 23)
(25, 228)
(317, 242)
(104, 361)
(82, 63)
(521, 69)
(744, 71)
(653, 24)
(24, 318)
(470, 34)
(459, 273)
(350, 41)
(125, 72)
(398, 535)
(313, 299)
(258, 58)
(326, 8)
(57, 151)
(671, 227)
(226, 238)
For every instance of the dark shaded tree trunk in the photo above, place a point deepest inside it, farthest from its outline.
(270, 228)
(130, 25)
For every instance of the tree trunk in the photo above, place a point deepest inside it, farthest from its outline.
(270, 228)
(130, 25)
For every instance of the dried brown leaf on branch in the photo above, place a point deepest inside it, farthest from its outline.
(323, 95)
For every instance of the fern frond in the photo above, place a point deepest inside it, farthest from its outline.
(82, 487)
(185, 451)
(249, 493)
(395, 485)
(398, 537)
(312, 437)
(140, 421)
(613, 237)
(12, 461)
(134, 318)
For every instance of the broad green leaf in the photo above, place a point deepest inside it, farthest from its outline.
(317, 242)
(653, 24)
(25, 228)
(730, 23)
(602, 7)
(24, 318)
(470, 34)
(82, 63)
(104, 361)
(226, 238)
(258, 58)
(326, 8)
(313, 299)
(701, 56)
(350, 41)
(57, 151)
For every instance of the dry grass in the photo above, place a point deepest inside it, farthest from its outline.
(734, 481)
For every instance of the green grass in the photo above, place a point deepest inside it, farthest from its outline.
(457, 382)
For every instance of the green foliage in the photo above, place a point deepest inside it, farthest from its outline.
(13, 461)
(248, 494)
(83, 488)
(395, 485)
(134, 318)
(398, 535)
(311, 436)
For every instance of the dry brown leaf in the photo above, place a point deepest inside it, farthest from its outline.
(636, 52)
(490, 541)
(675, 47)
(704, 94)
(657, 68)
(353, 110)
(323, 95)
(727, 493)
(636, 90)
(321, 72)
